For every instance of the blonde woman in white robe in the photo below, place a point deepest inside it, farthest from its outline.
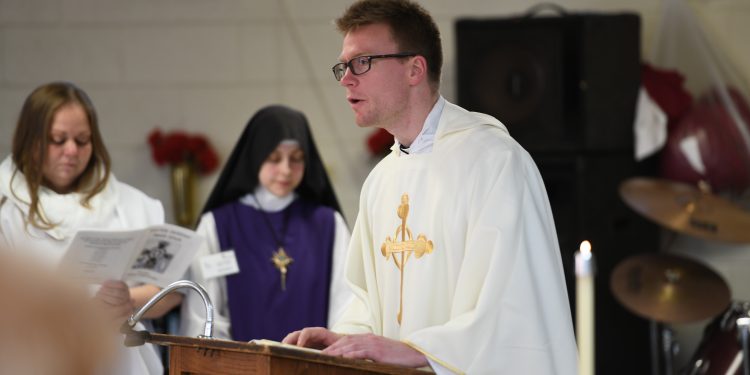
(58, 181)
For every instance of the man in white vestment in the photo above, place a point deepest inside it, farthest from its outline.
(453, 258)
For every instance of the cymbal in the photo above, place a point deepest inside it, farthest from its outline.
(686, 209)
(669, 288)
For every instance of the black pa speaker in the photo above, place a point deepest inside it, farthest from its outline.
(563, 83)
(566, 87)
(584, 197)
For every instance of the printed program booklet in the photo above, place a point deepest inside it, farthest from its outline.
(156, 255)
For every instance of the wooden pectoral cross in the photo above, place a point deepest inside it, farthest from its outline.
(406, 247)
(280, 260)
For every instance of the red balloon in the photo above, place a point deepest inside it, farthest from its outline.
(721, 147)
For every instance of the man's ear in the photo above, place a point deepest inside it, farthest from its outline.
(418, 70)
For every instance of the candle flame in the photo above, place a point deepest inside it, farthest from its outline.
(585, 247)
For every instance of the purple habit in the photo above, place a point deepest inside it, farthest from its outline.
(258, 307)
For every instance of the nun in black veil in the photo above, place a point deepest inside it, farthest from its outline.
(275, 237)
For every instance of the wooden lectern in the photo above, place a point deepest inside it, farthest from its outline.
(191, 356)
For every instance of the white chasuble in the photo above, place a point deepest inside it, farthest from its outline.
(473, 263)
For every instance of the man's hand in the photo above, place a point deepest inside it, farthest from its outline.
(377, 348)
(362, 346)
(313, 337)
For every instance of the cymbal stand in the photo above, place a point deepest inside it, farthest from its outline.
(654, 328)
(742, 331)
(662, 334)
(669, 345)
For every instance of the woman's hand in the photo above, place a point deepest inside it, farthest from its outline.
(114, 296)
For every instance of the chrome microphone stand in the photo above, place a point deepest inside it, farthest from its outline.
(127, 327)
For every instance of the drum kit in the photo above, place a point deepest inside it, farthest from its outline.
(671, 289)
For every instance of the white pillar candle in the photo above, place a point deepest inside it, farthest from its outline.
(585, 308)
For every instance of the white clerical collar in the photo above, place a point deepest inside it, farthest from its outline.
(268, 201)
(423, 143)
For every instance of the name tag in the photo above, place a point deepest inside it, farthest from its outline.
(221, 264)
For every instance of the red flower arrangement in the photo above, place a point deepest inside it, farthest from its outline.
(379, 142)
(179, 146)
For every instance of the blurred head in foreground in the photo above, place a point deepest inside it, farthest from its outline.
(48, 326)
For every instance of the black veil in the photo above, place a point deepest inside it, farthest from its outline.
(263, 133)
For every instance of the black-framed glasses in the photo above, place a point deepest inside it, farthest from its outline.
(362, 64)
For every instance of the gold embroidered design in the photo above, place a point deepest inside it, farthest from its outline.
(407, 246)
(280, 261)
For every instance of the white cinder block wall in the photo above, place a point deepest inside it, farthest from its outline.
(208, 65)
